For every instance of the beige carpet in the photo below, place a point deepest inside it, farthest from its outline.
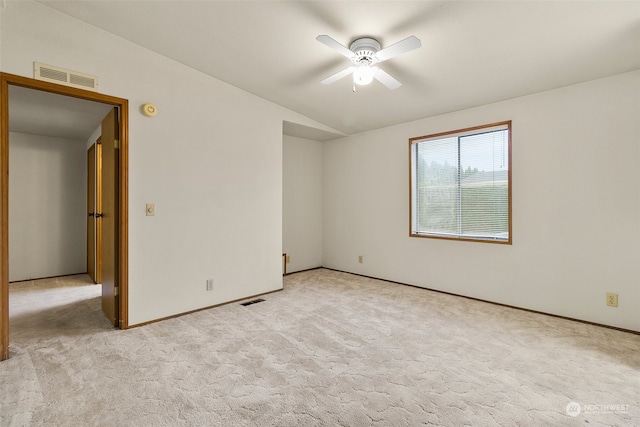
(332, 349)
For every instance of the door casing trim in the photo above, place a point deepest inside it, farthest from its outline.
(123, 236)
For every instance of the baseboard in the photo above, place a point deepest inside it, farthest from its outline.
(305, 270)
(48, 277)
(630, 331)
(137, 325)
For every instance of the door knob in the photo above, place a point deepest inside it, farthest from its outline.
(90, 213)
(99, 215)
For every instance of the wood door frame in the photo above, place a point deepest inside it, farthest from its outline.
(123, 221)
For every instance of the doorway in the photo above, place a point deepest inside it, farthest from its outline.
(119, 217)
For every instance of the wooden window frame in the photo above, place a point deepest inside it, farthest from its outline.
(469, 130)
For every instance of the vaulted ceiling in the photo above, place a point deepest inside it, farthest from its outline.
(473, 52)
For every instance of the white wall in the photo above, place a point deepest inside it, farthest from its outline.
(47, 206)
(576, 206)
(211, 161)
(302, 203)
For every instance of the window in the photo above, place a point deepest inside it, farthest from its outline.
(461, 184)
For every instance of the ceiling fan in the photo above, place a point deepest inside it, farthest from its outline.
(365, 52)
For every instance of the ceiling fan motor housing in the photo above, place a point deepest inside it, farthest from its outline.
(365, 50)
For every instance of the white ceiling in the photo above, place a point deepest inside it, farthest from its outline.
(42, 113)
(473, 52)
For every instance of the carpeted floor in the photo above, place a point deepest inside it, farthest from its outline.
(332, 349)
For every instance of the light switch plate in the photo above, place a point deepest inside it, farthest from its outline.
(151, 209)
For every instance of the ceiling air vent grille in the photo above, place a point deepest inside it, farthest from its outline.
(61, 76)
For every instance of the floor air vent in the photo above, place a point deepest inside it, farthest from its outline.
(61, 76)
(255, 301)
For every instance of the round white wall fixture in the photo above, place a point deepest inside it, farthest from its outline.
(149, 110)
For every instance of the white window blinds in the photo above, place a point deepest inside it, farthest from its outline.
(460, 184)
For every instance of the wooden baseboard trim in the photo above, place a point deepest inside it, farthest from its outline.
(137, 325)
(48, 277)
(630, 331)
(305, 270)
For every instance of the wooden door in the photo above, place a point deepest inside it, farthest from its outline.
(107, 217)
(94, 204)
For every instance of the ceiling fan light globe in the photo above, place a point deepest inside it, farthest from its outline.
(363, 75)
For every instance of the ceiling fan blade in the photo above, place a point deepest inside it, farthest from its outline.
(337, 76)
(328, 41)
(386, 79)
(396, 49)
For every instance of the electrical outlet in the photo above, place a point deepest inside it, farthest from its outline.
(612, 299)
(360, 259)
(209, 284)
